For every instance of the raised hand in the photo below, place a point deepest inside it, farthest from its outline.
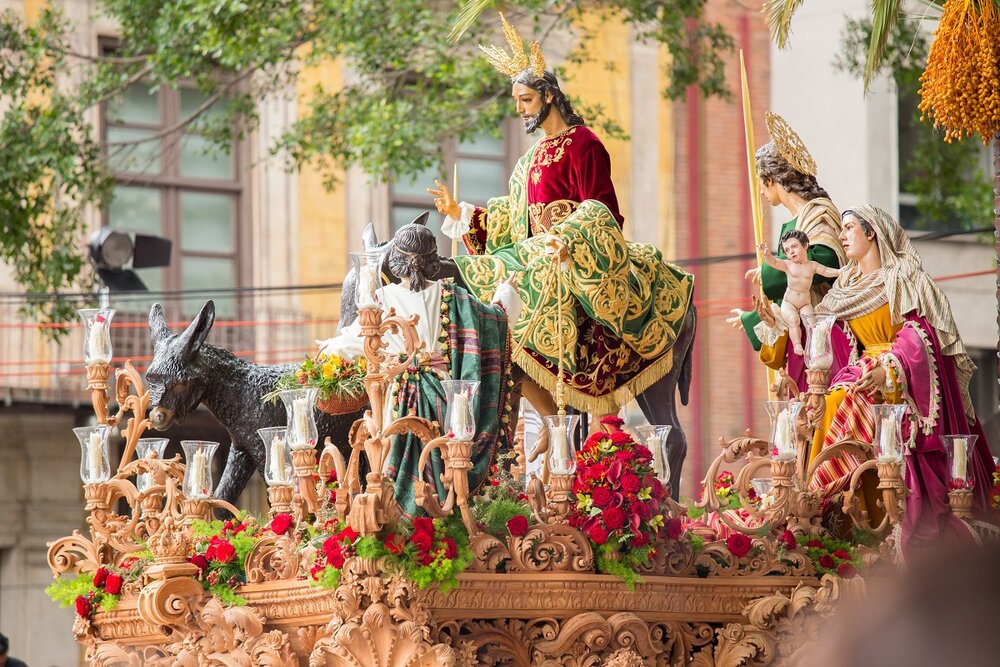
(753, 275)
(445, 203)
(735, 321)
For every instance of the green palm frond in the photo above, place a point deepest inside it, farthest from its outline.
(885, 16)
(470, 13)
(779, 15)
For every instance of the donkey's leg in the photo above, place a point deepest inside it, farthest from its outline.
(239, 467)
(658, 404)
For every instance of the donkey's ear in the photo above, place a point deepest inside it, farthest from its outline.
(369, 239)
(158, 329)
(421, 219)
(191, 340)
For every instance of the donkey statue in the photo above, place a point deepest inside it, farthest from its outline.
(186, 371)
(657, 401)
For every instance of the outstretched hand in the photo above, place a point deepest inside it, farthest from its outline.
(444, 202)
(736, 321)
(753, 275)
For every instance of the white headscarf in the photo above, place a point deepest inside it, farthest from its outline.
(904, 285)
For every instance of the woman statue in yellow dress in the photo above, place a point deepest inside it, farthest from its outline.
(898, 343)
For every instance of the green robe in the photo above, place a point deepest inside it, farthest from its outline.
(475, 346)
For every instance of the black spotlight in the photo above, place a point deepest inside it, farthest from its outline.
(116, 254)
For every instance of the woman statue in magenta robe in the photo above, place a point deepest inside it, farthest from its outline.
(898, 343)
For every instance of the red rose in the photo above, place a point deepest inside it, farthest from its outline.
(846, 571)
(656, 487)
(422, 541)
(423, 524)
(614, 518)
(826, 560)
(114, 583)
(200, 561)
(612, 420)
(596, 471)
(335, 558)
(101, 576)
(841, 554)
(517, 525)
(630, 482)
(601, 497)
(675, 528)
(224, 552)
(597, 534)
(738, 544)
(814, 544)
(347, 535)
(331, 544)
(643, 510)
(394, 543)
(83, 608)
(620, 438)
(788, 540)
(281, 523)
(639, 540)
(450, 548)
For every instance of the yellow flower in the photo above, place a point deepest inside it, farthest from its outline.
(363, 363)
(328, 369)
(335, 361)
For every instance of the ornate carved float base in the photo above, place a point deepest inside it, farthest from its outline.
(490, 619)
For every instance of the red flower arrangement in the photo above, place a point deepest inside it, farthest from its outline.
(829, 556)
(220, 552)
(961, 484)
(738, 544)
(619, 500)
(435, 551)
(101, 590)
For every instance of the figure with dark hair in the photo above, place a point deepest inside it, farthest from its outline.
(6, 660)
(464, 339)
(602, 320)
(796, 304)
(787, 175)
(898, 343)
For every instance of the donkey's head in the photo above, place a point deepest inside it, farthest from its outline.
(176, 377)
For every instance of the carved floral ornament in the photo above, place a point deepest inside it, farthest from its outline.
(530, 594)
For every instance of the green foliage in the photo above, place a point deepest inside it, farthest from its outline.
(65, 590)
(496, 513)
(624, 566)
(226, 595)
(328, 578)
(952, 190)
(697, 542)
(410, 89)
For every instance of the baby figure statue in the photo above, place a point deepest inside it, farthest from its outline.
(800, 271)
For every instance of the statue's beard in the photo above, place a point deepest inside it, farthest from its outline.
(531, 124)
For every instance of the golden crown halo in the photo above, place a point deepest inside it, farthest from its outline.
(512, 64)
(789, 144)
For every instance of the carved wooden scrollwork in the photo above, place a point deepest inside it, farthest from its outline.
(550, 548)
(273, 558)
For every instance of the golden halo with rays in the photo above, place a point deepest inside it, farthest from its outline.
(789, 144)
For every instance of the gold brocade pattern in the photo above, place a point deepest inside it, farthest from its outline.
(626, 304)
(549, 151)
(545, 216)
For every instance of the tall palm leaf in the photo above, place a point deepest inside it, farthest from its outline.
(470, 14)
